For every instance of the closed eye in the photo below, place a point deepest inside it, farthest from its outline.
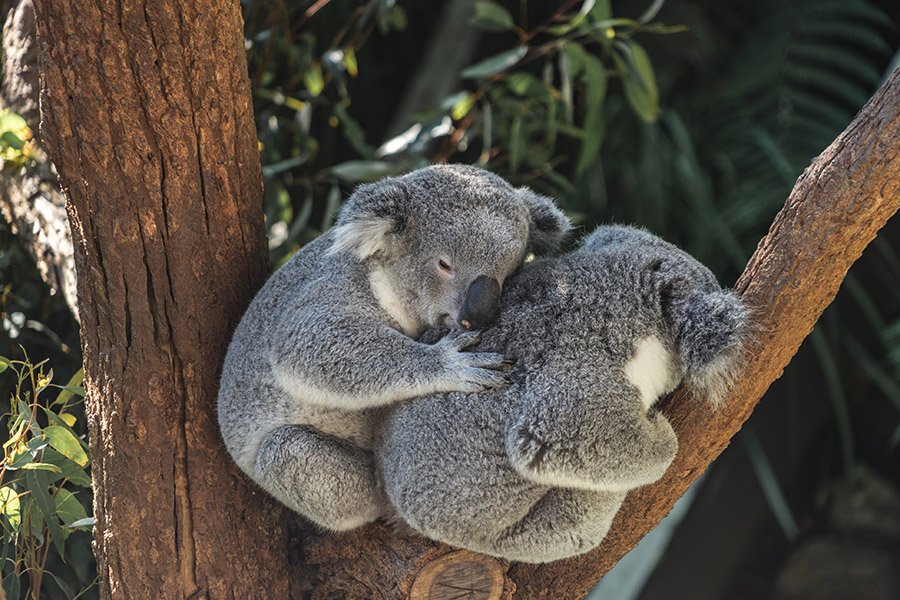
(445, 266)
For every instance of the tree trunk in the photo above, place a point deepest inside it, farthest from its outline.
(148, 118)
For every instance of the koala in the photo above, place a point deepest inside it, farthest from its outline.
(329, 341)
(536, 471)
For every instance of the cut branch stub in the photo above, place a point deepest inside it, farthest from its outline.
(459, 574)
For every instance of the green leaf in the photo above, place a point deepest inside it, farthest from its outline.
(525, 84)
(651, 11)
(68, 508)
(495, 64)
(85, 524)
(565, 92)
(40, 466)
(577, 56)
(492, 17)
(362, 170)
(12, 586)
(72, 388)
(639, 82)
(67, 469)
(462, 107)
(313, 80)
(272, 169)
(516, 143)
(64, 441)
(68, 592)
(10, 506)
(332, 206)
(37, 483)
(595, 83)
(12, 140)
(12, 122)
(23, 457)
(353, 132)
(601, 11)
(4, 363)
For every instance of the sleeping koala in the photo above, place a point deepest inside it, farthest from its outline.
(329, 340)
(536, 472)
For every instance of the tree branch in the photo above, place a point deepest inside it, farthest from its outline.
(835, 209)
(30, 199)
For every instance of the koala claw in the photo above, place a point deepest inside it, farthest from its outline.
(461, 341)
(481, 379)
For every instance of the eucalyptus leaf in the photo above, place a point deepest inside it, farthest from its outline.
(12, 140)
(10, 506)
(313, 80)
(12, 122)
(462, 106)
(68, 508)
(72, 388)
(37, 483)
(595, 83)
(525, 84)
(40, 466)
(495, 64)
(492, 17)
(638, 81)
(354, 171)
(64, 441)
(281, 166)
(12, 586)
(516, 143)
(85, 523)
(67, 469)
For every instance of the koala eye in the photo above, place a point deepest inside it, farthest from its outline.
(444, 266)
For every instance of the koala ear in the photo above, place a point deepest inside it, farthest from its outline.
(373, 212)
(548, 223)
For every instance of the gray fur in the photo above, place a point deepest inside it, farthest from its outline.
(328, 343)
(536, 471)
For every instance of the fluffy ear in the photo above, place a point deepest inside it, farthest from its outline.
(373, 212)
(548, 223)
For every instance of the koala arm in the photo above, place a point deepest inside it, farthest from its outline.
(354, 362)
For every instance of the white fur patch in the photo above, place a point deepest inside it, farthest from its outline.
(363, 237)
(388, 300)
(308, 392)
(650, 370)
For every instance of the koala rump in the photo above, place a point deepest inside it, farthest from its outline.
(536, 471)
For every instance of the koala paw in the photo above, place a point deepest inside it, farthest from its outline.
(473, 371)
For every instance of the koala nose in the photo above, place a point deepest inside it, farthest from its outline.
(481, 304)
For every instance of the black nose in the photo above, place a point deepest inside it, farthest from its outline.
(481, 305)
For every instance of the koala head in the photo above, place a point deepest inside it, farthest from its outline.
(446, 238)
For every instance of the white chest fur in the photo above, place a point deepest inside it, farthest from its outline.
(650, 370)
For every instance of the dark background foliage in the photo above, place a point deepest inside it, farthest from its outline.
(700, 143)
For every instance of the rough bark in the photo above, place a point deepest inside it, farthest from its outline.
(835, 209)
(30, 199)
(148, 118)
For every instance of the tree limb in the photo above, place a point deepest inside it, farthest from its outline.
(835, 209)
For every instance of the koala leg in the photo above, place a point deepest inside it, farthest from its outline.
(632, 449)
(564, 523)
(327, 480)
